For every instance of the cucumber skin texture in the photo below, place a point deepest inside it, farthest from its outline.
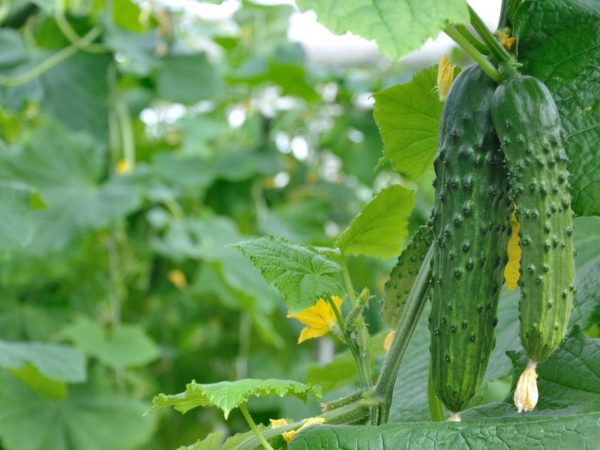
(403, 276)
(528, 125)
(471, 222)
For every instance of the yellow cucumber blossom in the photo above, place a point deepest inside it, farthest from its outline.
(289, 435)
(506, 40)
(511, 271)
(319, 319)
(123, 167)
(387, 343)
(526, 394)
(277, 423)
(445, 77)
(177, 278)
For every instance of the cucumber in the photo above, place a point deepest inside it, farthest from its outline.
(471, 221)
(527, 122)
(403, 276)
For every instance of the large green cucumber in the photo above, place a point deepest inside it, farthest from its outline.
(528, 125)
(470, 219)
(403, 276)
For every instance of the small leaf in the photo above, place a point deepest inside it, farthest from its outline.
(210, 442)
(56, 362)
(16, 209)
(408, 118)
(125, 346)
(300, 274)
(398, 26)
(381, 226)
(228, 395)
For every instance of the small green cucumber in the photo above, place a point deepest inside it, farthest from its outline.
(471, 221)
(403, 276)
(528, 125)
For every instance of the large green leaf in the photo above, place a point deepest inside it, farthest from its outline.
(125, 346)
(567, 414)
(381, 226)
(398, 26)
(228, 395)
(559, 43)
(57, 362)
(187, 79)
(66, 169)
(408, 118)
(85, 420)
(299, 273)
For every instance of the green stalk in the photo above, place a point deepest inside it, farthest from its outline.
(436, 410)
(72, 36)
(351, 413)
(496, 48)
(478, 57)
(480, 46)
(127, 136)
(363, 372)
(252, 425)
(417, 298)
(50, 62)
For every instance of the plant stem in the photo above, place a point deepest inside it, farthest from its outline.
(363, 372)
(480, 46)
(496, 48)
(252, 425)
(50, 62)
(348, 282)
(478, 57)
(436, 410)
(72, 36)
(415, 303)
(127, 136)
(350, 413)
(503, 20)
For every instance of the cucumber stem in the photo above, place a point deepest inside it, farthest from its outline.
(480, 46)
(478, 57)
(496, 48)
(415, 304)
(252, 425)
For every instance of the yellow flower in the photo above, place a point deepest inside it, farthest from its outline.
(177, 277)
(123, 167)
(276, 423)
(526, 394)
(511, 271)
(289, 435)
(445, 77)
(506, 40)
(387, 344)
(319, 318)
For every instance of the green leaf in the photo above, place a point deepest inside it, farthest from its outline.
(228, 395)
(380, 228)
(38, 383)
(85, 420)
(398, 26)
(408, 118)
(125, 346)
(187, 79)
(558, 42)
(66, 169)
(126, 14)
(578, 431)
(16, 226)
(300, 274)
(210, 442)
(57, 362)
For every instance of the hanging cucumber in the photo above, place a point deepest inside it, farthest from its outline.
(470, 221)
(528, 125)
(403, 276)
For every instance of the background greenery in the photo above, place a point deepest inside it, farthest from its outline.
(137, 145)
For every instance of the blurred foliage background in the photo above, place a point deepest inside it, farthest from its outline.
(148, 139)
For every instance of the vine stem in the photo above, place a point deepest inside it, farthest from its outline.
(480, 46)
(252, 425)
(50, 62)
(127, 135)
(478, 57)
(415, 304)
(74, 38)
(496, 48)
(436, 410)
